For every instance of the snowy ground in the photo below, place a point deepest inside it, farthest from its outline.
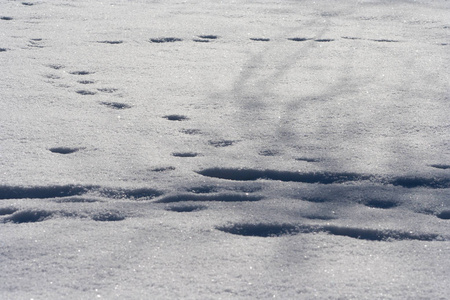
(224, 150)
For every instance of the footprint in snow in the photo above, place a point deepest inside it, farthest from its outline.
(276, 230)
(221, 143)
(116, 105)
(260, 39)
(86, 92)
(81, 73)
(185, 154)
(7, 211)
(165, 40)
(107, 90)
(86, 82)
(176, 118)
(65, 150)
(440, 166)
(191, 131)
(111, 42)
(186, 208)
(380, 203)
(444, 215)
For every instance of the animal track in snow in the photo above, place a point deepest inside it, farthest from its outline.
(82, 73)
(191, 131)
(417, 182)
(315, 199)
(208, 37)
(165, 40)
(185, 154)
(116, 105)
(6, 18)
(107, 90)
(202, 189)
(64, 150)
(324, 40)
(351, 38)
(35, 43)
(86, 82)
(384, 41)
(268, 152)
(209, 197)
(322, 177)
(110, 42)
(307, 159)
(29, 216)
(221, 143)
(163, 169)
(186, 208)
(298, 39)
(42, 192)
(3, 49)
(64, 191)
(440, 166)
(85, 92)
(176, 118)
(77, 200)
(200, 41)
(110, 216)
(56, 66)
(7, 210)
(260, 39)
(52, 76)
(445, 215)
(379, 203)
(27, 3)
(275, 230)
(253, 174)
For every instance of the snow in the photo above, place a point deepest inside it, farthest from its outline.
(224, 150)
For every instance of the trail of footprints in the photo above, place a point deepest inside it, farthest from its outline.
(194, 199)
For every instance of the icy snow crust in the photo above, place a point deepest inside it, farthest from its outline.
(224, 150)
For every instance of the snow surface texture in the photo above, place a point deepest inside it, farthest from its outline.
(224, 150)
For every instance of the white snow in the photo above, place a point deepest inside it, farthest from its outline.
(224, 149)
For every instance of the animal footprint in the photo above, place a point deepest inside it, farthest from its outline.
(185, 154)
(64, 150)
(176, 118)
(186, 208)
(29, 216)
(260, 39)
(110, 42)
(82, 73)
(165, 40)
(191, 131)
(116, 105)
(85, 92)
(221, 143)
(298, 39)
